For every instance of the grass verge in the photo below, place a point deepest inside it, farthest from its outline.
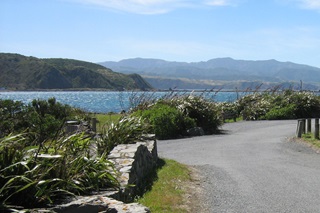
(309, 138)
(169, 189)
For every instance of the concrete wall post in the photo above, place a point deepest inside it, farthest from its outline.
(309, 125)
(316, 129)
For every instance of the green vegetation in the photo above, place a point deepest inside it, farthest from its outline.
(309, 138)
(167, 121)
(19, 72)
(34, 176)
(205, 112)
(39, 163)
(278, 105)
(43, 119)
(168, 191)
(172, 116)
(126, 131)
(105, 120)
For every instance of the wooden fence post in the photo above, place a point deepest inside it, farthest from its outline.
(94, 124)
(316, 129)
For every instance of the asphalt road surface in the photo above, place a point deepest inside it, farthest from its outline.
(252, 167)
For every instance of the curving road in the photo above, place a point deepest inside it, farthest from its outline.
(253, 167)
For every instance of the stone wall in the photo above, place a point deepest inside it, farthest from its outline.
(136, 164)
(94, 204)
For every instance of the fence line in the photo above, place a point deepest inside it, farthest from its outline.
(304, 126)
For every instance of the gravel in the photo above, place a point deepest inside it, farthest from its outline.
(252, 167)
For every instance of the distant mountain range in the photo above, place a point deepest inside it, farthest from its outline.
(225, 73)
(18, 72)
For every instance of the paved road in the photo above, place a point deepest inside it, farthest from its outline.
(253, 167)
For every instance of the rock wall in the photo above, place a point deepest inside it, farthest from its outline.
(94, 204)
(136, 164)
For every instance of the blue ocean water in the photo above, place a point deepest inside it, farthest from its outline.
(102, 101)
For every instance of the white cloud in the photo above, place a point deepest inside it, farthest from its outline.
(218, 2)
(153, 6)
(138, 6)
(310, 4)
(304, 4)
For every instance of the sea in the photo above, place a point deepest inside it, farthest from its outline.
(107, 101)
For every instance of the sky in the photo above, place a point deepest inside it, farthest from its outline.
(173, 30)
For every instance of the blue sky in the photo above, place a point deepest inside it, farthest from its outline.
(174, 30)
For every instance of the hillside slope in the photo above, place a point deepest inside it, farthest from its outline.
(221, 72)
(19, 72)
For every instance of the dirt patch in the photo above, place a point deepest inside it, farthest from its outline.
(194, 196)
(305, 143)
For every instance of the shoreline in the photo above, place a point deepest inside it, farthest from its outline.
(154, 90)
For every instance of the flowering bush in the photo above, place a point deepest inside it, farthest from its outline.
(172, 117)
(228, 110)
(206, 113)
(285, 105)
(255, 106)
(307, 104)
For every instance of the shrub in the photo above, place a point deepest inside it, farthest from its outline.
(286, 105)
(41, 119)
(228, 110)
(166, 121)
(11, 117)
(205, 113)
(280, 113)
(255, 106)
(307, 104)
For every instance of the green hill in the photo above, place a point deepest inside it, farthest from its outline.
(224, 73)
(18, 72)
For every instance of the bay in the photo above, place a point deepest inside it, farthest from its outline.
(104, 101)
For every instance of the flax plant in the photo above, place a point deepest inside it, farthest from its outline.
(66, 168)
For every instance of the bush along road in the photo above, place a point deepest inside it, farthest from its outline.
(252, 167)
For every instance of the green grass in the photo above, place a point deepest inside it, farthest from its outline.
(309, 137)
(232, 121)
(167, 193)
(105, 119)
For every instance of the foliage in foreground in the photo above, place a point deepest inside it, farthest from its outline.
(127, 130)
(39, 164)
(33, 176)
